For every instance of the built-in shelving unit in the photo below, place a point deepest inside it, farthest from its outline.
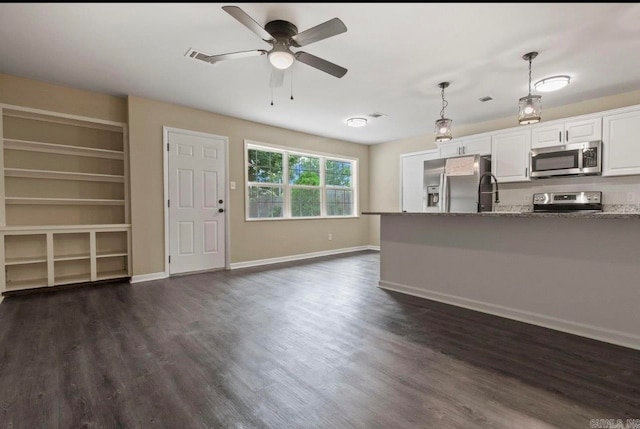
(64, 189)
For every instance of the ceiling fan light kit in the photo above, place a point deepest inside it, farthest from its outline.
(443, 125)
(530, 106)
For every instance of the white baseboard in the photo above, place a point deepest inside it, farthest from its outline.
(601, 334)
(258, 262)
(148, 277)
(1, 299)
(376, 248)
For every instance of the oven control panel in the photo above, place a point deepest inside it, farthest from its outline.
(591, 197)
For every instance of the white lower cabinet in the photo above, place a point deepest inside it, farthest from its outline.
(413, 180)
(510, 156)
(621, 144)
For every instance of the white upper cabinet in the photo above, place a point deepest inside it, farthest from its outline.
(566, 132)
(451, 148)
(510, 156)
(413, 179)
(477, 146)
(621, 144)
(466, 146)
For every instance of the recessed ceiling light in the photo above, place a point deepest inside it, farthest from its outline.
(357, 122)
(552, 83)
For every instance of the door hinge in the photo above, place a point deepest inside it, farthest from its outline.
(167, 147)
(169, 258)
(168, 203)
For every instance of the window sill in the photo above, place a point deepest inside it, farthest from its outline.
(300, 218)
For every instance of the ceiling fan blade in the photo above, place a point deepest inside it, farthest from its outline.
(277, 78)
(322, 31)
(248, 22)
(320, 64)
(232, 56)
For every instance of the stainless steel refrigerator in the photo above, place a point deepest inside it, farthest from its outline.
(451, 184)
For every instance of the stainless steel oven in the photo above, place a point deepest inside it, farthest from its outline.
(573, 159)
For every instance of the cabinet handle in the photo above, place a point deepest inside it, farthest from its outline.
(464, 150)
(526, 172)
(566, 136)
(560, 136)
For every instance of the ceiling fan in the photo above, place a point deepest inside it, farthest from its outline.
(282, 35)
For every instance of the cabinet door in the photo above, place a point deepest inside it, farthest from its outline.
(583, 131)
(477, 146)
(510, 156)
(412, 181)
(449, 149)
(621, 144)
(552, 135)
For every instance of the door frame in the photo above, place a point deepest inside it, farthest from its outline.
(165, 171)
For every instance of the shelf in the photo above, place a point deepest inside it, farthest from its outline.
(72, 257)
(111, 254)
(20, 230)
(62, 175)
(113, 274)
(22, 261)
(61, 118)
(76, 278)
(30, 146)
(63, 201)
(26, 284)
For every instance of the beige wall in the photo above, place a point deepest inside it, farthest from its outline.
(385, 157)
(42, 95)
(249, 240)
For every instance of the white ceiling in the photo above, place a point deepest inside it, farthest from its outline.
(396, 54)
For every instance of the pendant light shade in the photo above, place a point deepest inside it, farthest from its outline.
(530, 106)
(443, 125)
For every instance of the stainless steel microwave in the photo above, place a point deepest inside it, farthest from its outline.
(573, 159)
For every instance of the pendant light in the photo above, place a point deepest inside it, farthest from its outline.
(443, 125)
(529, 106)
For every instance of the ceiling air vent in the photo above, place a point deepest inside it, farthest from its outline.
(376, 115)
(485, 99)
(196, 55)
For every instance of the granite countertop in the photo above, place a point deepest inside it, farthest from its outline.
(596, 215)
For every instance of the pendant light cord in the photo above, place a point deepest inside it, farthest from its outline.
(530, 75)
(445, 103)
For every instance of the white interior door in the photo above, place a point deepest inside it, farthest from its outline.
(197, 183)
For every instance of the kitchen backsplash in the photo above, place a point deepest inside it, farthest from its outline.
(616, 192)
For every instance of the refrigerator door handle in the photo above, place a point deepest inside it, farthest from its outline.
(444, 193)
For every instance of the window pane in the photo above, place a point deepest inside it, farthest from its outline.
(338, 173)
(305, 202)
(264, 166)
(304, 170)
(339, 202)
(266, 202)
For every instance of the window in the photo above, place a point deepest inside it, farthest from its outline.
(290, 184)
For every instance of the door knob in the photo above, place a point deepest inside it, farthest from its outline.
(220, 210)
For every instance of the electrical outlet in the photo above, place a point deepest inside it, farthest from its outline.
(232, 185)
(330, 236)
(631, 197)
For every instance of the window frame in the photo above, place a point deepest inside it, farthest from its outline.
(286, 151)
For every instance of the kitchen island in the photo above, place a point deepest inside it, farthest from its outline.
(578, 273)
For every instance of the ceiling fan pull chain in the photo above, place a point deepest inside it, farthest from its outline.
(292, 84)
(272, 96)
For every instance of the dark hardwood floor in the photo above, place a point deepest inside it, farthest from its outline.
(300, 345)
